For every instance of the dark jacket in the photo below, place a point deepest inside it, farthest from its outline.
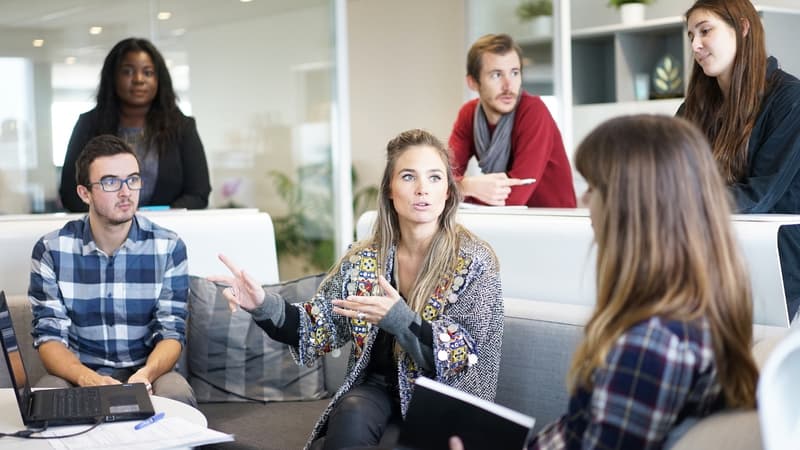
(773, 165)
(182, 182)
(771, 184)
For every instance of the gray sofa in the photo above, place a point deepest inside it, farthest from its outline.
(547, 271)
(526, 384)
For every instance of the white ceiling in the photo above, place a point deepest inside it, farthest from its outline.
(64, 24)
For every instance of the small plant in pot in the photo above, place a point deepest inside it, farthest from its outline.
(631, 11)
(539, 13)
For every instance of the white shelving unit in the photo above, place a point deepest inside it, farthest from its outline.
(606, 59)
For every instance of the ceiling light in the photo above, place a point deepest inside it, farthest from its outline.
(38, 42)
(70, 60)
(164, 15)
(95, 30)
(179, 31)
(245, 1)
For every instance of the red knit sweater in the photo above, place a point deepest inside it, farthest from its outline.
(536, 152)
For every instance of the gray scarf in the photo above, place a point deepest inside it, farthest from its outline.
(493, 153)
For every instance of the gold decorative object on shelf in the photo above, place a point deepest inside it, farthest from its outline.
(667, 79)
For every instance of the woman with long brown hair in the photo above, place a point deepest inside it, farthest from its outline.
(748, 109)
(670, 335)
(421, 296)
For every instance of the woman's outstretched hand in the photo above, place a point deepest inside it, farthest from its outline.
(370, 308)
(243, 291)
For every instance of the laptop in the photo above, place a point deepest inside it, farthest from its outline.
(79, 405)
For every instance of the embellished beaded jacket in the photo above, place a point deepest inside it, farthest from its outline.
(465, 313)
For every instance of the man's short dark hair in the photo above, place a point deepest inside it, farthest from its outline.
(97, 147)
(499, 44)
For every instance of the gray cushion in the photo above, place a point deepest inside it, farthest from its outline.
(232, 359)
(535, 358)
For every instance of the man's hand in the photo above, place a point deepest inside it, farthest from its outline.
(92, 378)
(490, 188)
(142, 376)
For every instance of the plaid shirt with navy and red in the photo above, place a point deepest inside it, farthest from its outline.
(658, 373)
(110, 310)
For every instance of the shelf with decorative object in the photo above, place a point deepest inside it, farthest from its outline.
(609, 61)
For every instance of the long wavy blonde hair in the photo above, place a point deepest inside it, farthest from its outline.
(443, 252)
(665, 246)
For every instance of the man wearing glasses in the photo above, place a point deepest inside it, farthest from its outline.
(108, 291)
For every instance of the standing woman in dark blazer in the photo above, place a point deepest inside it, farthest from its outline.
(136, 101)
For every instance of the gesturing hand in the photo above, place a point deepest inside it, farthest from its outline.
(243, 291)
(490, 188)
(370, 308)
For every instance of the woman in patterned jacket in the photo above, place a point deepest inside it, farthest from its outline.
(421, 296)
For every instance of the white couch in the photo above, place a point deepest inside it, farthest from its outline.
(245, 235)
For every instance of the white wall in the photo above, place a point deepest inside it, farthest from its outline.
(407, 66)
(249, 98)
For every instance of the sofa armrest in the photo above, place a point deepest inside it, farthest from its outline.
(731, 430)
(22, 318)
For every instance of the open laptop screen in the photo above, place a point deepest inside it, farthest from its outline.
(16, 369)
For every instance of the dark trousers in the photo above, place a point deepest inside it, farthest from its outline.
(361, 417)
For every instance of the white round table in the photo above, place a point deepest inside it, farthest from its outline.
(174, 408)
(11, 421)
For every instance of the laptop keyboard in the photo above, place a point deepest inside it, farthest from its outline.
(84, 402)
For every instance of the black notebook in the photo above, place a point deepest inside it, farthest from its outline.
(438, 411)
(49, 407)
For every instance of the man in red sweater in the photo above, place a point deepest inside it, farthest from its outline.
(510, 132)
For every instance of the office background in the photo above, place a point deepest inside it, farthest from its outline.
(261, 78)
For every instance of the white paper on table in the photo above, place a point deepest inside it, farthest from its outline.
(170, 432)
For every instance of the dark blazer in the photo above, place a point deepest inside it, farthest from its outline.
(182, 182)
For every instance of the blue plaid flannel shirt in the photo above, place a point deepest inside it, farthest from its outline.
(658, 373)
(110, 310)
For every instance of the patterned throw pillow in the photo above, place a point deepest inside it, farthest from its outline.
(231, 359)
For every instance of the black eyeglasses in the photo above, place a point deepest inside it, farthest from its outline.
(114, 184)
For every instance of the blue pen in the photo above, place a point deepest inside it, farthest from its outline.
(153, 419)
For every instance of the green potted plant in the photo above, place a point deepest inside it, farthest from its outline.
(539, 13)
(305, 232)
(631, 11)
